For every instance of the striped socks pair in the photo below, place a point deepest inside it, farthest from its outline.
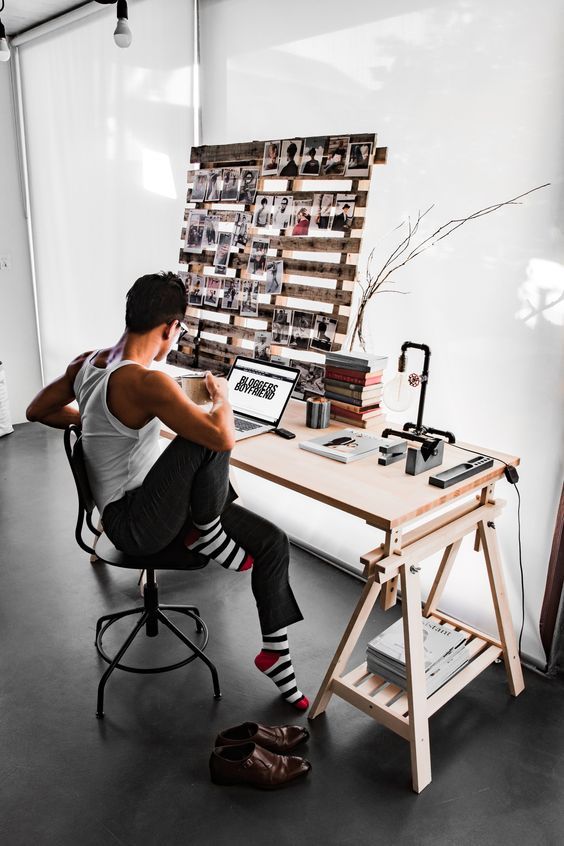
(209, 539)
(275, 662)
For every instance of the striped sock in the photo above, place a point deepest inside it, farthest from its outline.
(210, 540)
(274, 661)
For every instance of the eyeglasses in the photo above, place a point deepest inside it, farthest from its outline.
(182, 326)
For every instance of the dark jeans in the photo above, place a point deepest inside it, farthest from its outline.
(190, 484)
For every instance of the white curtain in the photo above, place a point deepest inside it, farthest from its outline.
(109, 132)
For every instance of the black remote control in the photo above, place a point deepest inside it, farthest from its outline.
(284, 433)
(461, 471)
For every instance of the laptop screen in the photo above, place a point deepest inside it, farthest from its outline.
(260, 389)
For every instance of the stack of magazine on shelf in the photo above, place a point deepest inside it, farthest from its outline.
(353, 383)
(444, 651)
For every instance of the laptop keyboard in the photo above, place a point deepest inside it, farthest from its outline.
(245, 425)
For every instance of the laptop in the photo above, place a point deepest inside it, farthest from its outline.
(259, 392)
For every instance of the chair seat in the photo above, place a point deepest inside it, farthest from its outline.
(175, 556)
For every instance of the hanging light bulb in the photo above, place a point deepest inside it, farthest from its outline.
(4, 48)
(122, 33)
(398, 393)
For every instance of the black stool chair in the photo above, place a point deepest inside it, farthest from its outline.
(151, 612)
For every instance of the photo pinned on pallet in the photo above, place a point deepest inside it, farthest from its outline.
(213, 291)
(186, 278)
(262, 345)
(241, 229)
(274, 276)
(248, 185)
(344, 213)
(321, 212)
(358, 159)
(222, 251)
(195, 231)
(256, 267)
(199, 186)
(213, 191)
(336, 155)
(281, 325)
(230, 187)
(302, 325)
(211, 232)
(263, 210)
(323, 334)
(290, 155)
(249, 298)
(282, 211)
(196, 290)
(302, 217)
(312, 156)
(270, 159)
(311, 380)
(231, 292)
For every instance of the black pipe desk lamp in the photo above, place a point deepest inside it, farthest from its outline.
(432, 449)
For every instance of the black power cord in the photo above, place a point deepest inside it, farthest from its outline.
(512, 477)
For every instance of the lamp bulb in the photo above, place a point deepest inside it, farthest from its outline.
(398, 394)
(122, 33)
(4, 50)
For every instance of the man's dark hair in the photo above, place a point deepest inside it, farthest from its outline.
(292, 150)
(154, 299)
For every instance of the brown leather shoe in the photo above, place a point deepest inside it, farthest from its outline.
(250, 764)
(279, 739)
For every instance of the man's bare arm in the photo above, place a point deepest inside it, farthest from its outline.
(52, 405)
(165, 399)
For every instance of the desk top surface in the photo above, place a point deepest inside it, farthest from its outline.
(385, 497)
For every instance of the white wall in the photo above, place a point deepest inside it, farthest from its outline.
(109, 134)
(18, 338)
(467, 97)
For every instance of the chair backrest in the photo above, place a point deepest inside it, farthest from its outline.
(86, 504)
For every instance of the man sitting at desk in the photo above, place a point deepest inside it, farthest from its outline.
(180, 499)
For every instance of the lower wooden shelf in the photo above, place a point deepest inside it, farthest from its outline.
(388, 704)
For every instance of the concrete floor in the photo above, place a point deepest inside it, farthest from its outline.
(140, 776)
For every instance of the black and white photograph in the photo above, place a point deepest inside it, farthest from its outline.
(321, 212)
(358, 159)
(336, 156)
(271, 158)
(281, 325)
(290, 154)
(212, 292)
(302, 217)
(263, 342)
(323, 333)
(213, 192)
(311, 379)
(256, 267)
(274, 276)
(344, 213)
(282, 211)
(312, 156)
(211, 232)
(195, 231)
(249, 298)
(199, 186)
(230, 187)
(231, 288)
(263, 211)
(241, 229)
(223, 249)
(186, 278)
(248, 185)
(196, 290)
(302, 325)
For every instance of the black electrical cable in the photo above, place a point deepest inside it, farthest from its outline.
(512, 477)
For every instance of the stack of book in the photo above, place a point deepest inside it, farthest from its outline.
(444, 650)
(353, 383)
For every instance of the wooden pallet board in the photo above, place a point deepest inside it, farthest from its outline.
(319, 270)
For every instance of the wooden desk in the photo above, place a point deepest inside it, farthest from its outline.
(387, 498)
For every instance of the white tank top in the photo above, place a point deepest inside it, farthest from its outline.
(117, 458)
